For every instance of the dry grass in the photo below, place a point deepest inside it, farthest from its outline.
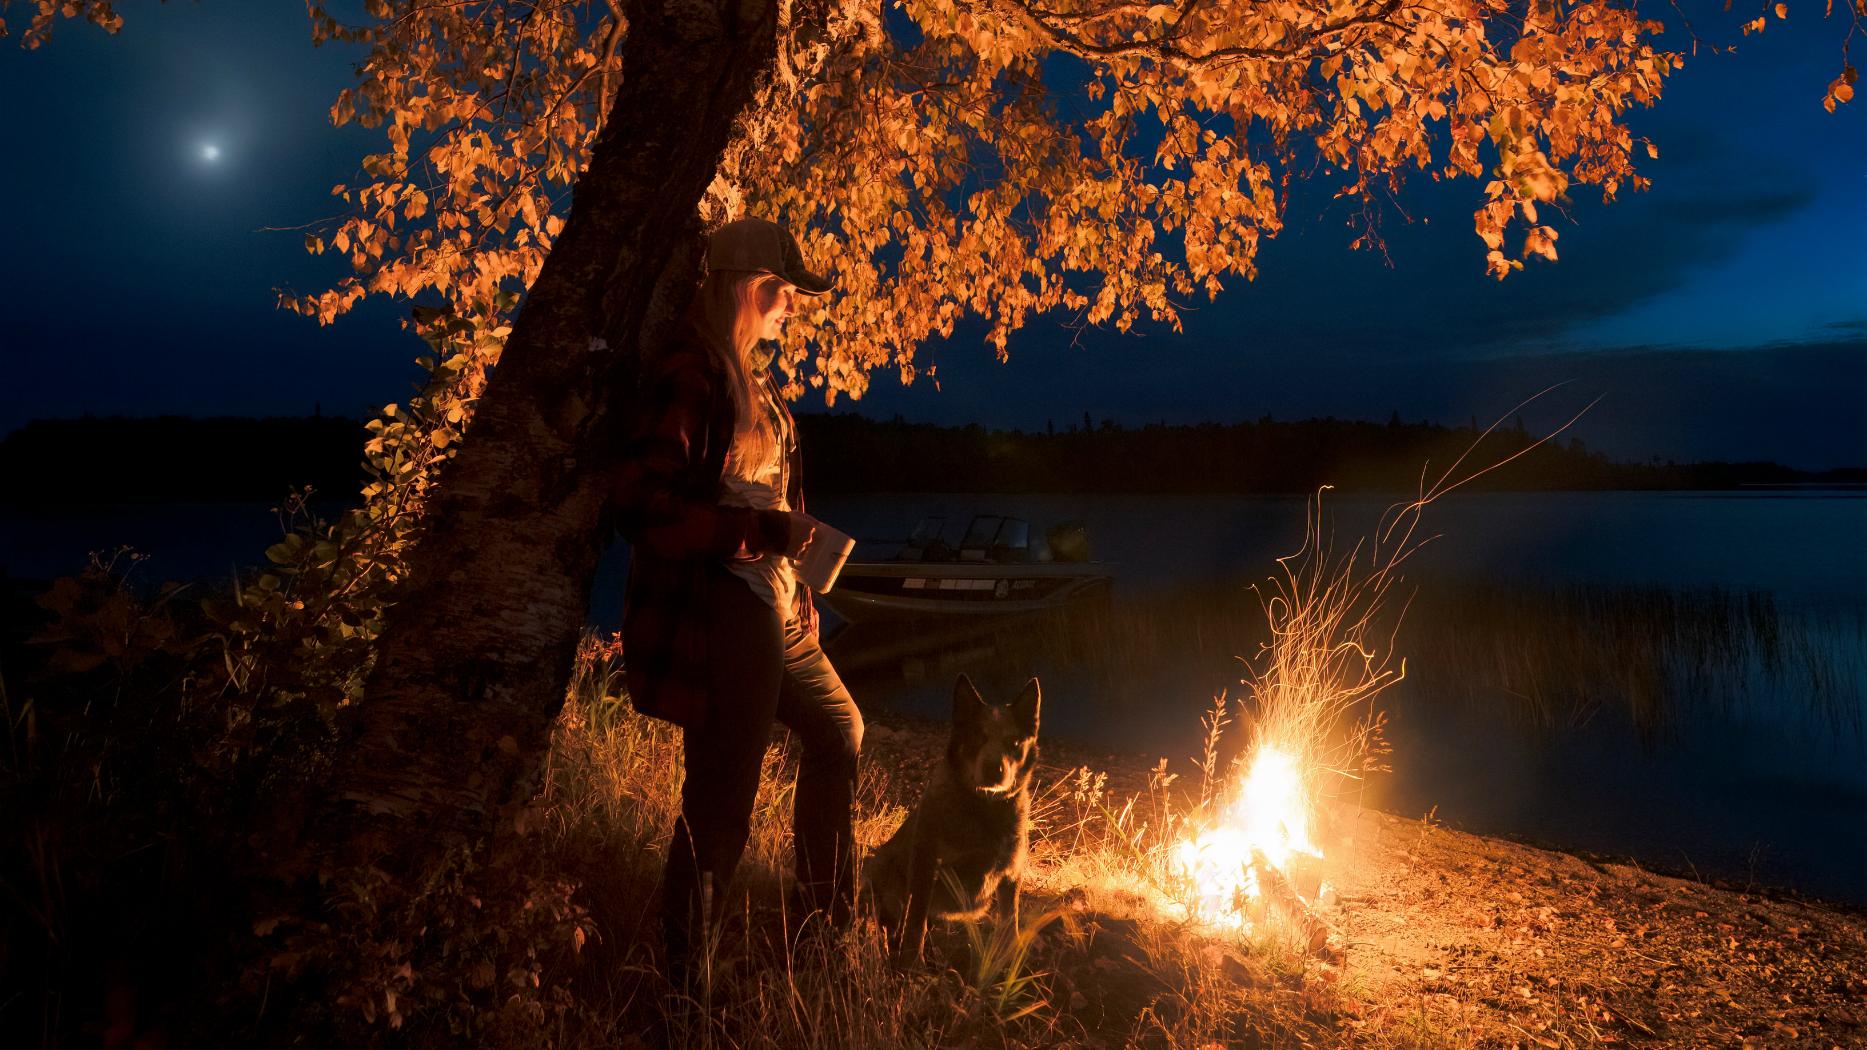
(1094, 962)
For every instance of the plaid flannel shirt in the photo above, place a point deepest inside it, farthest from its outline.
(665, 497)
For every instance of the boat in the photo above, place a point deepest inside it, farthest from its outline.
(992, 571)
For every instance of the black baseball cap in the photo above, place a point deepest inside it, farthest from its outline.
(763, 245)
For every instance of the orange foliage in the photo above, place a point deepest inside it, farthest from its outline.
(44, 12)
(489, 111)
(945, 171)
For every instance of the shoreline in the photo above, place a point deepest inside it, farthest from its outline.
(1484, 939)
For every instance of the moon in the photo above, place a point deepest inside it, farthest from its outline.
(210, 152)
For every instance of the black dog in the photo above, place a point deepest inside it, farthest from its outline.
(964, 846)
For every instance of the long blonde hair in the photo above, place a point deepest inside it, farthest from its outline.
(725, 313)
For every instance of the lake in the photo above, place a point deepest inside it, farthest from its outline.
(1673, 676)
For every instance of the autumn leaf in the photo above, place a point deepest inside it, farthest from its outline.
(1841, 89)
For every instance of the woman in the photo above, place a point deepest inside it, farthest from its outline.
(719, 636)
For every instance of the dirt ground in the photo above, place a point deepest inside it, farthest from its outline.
(1494, 937)
(1447, 938)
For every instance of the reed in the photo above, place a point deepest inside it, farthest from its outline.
(1560, 655)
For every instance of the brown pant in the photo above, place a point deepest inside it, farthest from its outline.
(763, 667)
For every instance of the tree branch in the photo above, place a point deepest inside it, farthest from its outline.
(1166, 47)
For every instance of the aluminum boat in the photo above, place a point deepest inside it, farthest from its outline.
(993, 571)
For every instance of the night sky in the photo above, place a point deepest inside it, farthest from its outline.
(1723, 314)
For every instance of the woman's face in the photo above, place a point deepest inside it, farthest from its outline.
(773, 303)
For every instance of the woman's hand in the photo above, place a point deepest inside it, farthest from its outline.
(802, 529)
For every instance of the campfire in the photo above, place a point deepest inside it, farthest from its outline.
(1258, 836)
(1252, 858)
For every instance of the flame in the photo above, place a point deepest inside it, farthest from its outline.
(1266, 822)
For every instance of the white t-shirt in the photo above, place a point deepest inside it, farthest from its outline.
(762, 485)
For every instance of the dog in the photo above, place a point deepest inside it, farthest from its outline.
(963, 848)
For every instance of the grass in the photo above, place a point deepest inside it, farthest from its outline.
(1093, 963)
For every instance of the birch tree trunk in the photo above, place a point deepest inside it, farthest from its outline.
(473, 664)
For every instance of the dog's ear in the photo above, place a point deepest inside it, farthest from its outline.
(968, 705)
(1024, 708)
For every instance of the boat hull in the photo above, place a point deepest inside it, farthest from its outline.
(905, 590)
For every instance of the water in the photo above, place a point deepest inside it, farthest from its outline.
(1757, 771)
(1806, 545)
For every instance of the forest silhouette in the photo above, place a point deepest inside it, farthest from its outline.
(106, 460)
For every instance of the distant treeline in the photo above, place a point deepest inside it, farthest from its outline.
(176, 459)
(851, 453)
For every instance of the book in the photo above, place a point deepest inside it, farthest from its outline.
(823, 559)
